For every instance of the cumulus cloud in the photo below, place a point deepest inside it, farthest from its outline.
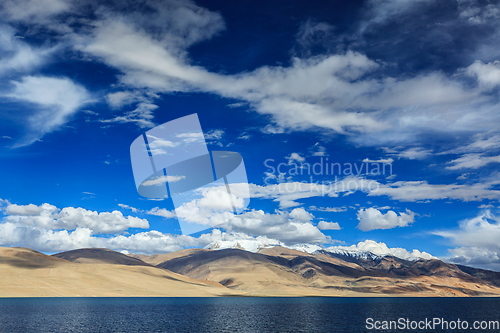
(323, 225)
(281, 226)
(211, 208)
(161, 212)
(48, 228)
(301, 215)
(381, 249)
(295, 157)
(372, 218)
(24, 210)
(54, 230)
(149, 242)
(50, 217)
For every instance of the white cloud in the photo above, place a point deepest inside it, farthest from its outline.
(382, 160)
(295, 157)
(161, 212)
(272, 129)
(484, 206)
(414, 153)
(328, 209)
(345, 92)
(27, 210)
(422, 190)
(142, 116)
(162, 180)
(148, 242)
(487, 75)
(49, 217)
(290, 193)
(133, 209)
(476, 240)
(301, 215)
(121, 98)
(382, 249)
(474, 154)
(318, 150)
(214, 135)
(280, 226)
(472, 161)
(481, 231)
(475, 256)
(481, 142)
(33, 10)
(4, 202)
(18, 56)
(371, 219)
(212, 209)
(323, 225)
(382, 11)
(334, 83)
(55, 100)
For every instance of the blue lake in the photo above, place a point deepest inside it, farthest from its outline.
(240, 314)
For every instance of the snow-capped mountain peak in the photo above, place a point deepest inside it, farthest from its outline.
(243, 244)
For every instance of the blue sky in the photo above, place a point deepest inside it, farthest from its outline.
(408, 84)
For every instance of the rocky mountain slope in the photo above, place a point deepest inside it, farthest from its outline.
(267, 271)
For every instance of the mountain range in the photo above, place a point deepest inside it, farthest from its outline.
(234, 271)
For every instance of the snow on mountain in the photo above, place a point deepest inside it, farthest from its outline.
(243, 244)
(368, 250)
(307, 248)
(366, 255)
(382, 250)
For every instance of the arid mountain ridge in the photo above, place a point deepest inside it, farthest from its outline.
(270, 271)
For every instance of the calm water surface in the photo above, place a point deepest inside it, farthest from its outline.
(234, 314)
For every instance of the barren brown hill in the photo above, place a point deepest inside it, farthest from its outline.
(197, 272)
(27, 273)
(279, 271)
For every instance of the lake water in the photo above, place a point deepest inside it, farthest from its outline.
(240, 314)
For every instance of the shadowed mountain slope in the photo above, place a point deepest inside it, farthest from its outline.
(99, 256)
